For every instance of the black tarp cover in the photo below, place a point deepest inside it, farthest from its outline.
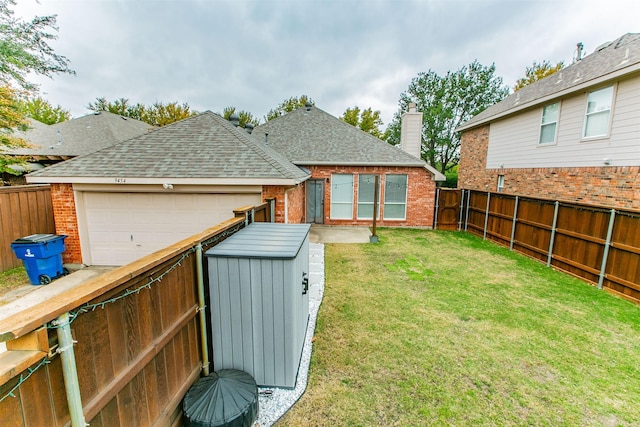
(228, 397)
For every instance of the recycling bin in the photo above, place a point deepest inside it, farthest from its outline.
(41, 255)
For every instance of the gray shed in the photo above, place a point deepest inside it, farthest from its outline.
(258, 282)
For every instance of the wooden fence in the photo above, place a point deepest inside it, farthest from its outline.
(137, 348)
(595, 243)
(24, 210)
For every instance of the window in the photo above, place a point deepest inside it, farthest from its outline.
(366, 186)
(500, 183)
(549, 124)
(598, 113)
(341, 196)
(395, 197)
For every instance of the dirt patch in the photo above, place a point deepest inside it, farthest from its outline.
(14, 284)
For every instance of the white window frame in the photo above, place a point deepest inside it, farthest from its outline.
(500, 185)
(406, 195)
(358, 215)
(549, 123)
(334, 193)
(588, 114)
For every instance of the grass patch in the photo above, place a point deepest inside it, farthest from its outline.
(13, 279)
(442, 328)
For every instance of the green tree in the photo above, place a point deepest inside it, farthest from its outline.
(24, 49)
(287, 106)
(446, 102)
(245, 116)
(41, 110)
(157, 114)
(366, 120)
(537, 71)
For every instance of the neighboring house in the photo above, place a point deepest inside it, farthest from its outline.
(343, 161)
(50, 144)
(573, 136)
(133, 198)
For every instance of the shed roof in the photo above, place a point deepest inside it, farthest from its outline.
(310, 136)
(79, 136)
(609, 61)
(201, 147)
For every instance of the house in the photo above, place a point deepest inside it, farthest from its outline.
(50, 144)
(343, 161)
(135, 197)
(573, 136)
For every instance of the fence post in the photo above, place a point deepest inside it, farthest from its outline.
(513, 225)
(69, 371)
(466, 219)
(435, 218)
(607, 245)
(486, 217)
(461, 209)
(553, 232)
(201, 310)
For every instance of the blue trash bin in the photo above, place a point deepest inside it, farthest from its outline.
(41, 255)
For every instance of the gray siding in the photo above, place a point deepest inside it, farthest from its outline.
(513, 142)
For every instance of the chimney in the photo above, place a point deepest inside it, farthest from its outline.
(411, 132)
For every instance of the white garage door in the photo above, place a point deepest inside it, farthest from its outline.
(122, 227)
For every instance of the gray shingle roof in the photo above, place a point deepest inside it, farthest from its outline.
(311, 136)
(79, 136)
(203, 146)
(609, 61)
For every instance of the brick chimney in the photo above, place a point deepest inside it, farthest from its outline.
(411, 131)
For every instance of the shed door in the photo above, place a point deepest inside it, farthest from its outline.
(122, 227)
(315, 201)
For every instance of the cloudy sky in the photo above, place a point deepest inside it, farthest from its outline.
(253, 54)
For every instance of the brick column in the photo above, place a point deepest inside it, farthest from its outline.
(66, 220)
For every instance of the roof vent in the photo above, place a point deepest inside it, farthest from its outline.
(579, 52)
(308, 105)
(235, 119)
(248, 127)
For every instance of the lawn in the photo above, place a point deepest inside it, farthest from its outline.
(442, 328)
(11, 280)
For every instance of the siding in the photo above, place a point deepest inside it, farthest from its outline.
(513, 142)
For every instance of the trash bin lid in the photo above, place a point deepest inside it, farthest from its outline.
(37, 238)
(228, 397)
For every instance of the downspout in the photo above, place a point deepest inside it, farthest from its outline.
(201, 311)
(69, 370)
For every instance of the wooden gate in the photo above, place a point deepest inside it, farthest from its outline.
(448, 209)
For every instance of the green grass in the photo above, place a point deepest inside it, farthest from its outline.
(13, 279)
(442, 328)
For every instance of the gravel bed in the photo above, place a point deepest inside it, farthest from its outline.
(275, 402)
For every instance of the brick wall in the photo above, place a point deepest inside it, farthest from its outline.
(66, 220)
(295, 204)
(420, 194)
(612, 186)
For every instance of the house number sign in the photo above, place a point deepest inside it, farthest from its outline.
(121, 180)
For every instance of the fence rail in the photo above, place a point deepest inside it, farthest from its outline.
(137, 341)
(595, 243)
(24, 210)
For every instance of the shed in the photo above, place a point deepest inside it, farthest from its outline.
(259, 304)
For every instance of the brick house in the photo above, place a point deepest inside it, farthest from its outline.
(133, 198)
(573, 136)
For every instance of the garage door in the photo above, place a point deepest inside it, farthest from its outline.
(122, 227)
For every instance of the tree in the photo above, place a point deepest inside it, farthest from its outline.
(245, 116)
(157, 114)
(537, 71)
(446, 102)
(41, 110)
(366, 120)
(24, 49)
(287, 106)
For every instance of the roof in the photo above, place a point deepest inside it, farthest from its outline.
(310, 136)
(79, 136)
(609, 61)
(203, 148)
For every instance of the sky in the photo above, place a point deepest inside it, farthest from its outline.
(254, 54)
